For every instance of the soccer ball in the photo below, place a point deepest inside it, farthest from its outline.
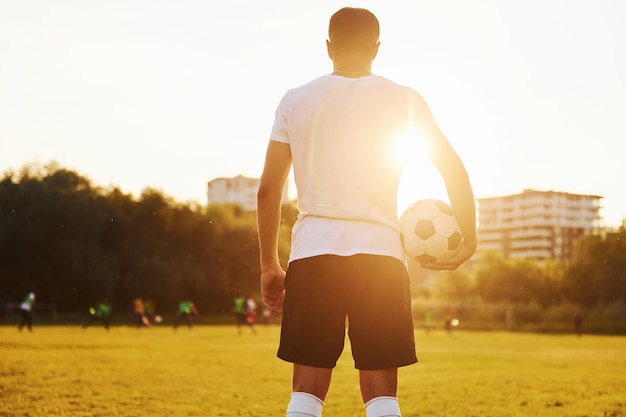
(430, 231)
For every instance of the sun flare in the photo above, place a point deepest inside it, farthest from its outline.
(410, 149)
(419, 180)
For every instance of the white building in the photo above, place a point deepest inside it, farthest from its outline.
(239, 190)
(536, 224)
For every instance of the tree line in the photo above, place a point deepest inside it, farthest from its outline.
(595, 276)
(74, 243)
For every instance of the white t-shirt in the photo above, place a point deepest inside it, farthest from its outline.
(342, 134)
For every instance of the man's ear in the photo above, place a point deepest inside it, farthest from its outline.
(375, 50)
(329, 49)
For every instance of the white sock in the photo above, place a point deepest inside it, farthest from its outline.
(383, 407)
(303, 404)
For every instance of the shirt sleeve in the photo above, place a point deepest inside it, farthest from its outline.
(422, 118)
(281, 120)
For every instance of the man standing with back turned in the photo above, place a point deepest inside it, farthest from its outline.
(347, 260)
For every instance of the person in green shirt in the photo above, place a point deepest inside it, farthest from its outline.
(26, 309)
(186, 309)
(101, 313)
(239, 308)
(245, 312)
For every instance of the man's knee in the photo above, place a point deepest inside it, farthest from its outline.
(378, 383)
(311, 380)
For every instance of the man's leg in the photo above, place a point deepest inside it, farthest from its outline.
(310, 386)
(87, 322)
(312, 329)
(378, 383)
(23, 322)
(379, 389)
(240, 321)
(381, 331)
(29, 320)
(311, 380)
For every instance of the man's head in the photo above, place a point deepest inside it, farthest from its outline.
(353, 31)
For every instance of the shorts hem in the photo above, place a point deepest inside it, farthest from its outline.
(387, 366)
(305, 363)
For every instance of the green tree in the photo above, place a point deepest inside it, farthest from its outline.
(74, 243)
(454, 285)
(508, 280)
(597, 272)
(549, 291)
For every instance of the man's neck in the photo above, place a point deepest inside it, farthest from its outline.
(352, 73)
(352, 68)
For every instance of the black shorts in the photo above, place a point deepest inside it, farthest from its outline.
(371, 291)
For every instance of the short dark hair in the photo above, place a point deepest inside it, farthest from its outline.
(353, 29)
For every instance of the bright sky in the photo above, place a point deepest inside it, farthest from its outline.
(170, 94)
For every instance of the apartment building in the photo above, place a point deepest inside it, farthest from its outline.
(536, 224)
(238, 190)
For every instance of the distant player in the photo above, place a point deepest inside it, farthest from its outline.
(251, 310)
(26, 308)
(240, 308)
(251, 313)
(101, 313)
(186, 309)
(139, 309)
(448, 320)
(267, 316)
(149, 310)
(347, 261)
(578, 323)
(428, 320)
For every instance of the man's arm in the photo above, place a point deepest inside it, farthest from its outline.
(443, 156)
(269, 198)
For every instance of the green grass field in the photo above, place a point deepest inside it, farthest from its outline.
(214, 371)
